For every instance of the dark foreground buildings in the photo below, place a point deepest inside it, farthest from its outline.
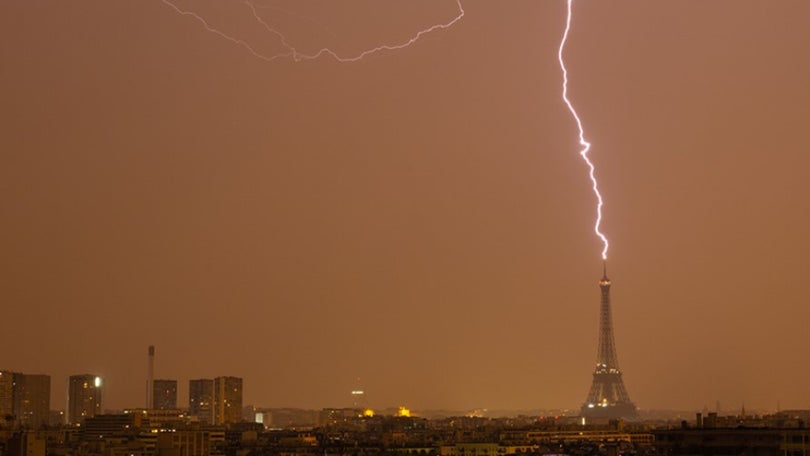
(351, 432)
(783, 434)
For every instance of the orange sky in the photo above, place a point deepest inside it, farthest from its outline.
(420, 219)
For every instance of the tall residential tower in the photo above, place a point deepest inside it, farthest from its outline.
(26, 398)
(227, 400)
(32, 400)
(164, 394)
(84, 397)
(201, 400)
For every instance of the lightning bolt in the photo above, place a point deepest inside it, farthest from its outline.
(586, 146)
(297, 16)
(208, 27)
(295, 54)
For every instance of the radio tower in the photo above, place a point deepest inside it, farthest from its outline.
(608, 397)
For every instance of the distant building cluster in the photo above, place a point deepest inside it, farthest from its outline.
(25, 400)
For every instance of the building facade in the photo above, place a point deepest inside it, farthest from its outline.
(200, 400)
(227, 400)
(184, 443)
(32, 400)
(84, 397)
(26, 398)
(164, 394)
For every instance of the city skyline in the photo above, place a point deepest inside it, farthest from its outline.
(419, 219)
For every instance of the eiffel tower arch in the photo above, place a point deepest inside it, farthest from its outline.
(607, 397)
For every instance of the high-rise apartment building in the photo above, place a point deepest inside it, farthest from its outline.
(201, 399)
(26, 398)
(164, 394)
(227, 400)
(32, 400)
(84, 397)
(217, 401)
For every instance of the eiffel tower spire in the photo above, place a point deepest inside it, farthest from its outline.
(608, 397)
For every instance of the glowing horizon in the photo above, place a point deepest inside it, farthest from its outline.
(586, 146)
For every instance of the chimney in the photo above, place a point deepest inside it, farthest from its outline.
(150, 379)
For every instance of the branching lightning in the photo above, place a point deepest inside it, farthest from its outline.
(291, 52)
(586, 146)
(297, 16)
(298, 56)
(222, 34)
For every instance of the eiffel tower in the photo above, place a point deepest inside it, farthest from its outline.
(608, 397)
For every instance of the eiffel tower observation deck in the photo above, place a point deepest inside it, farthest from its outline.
(608, 397)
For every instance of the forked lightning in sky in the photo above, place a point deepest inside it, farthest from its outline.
(292, 52)
(586, 146)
